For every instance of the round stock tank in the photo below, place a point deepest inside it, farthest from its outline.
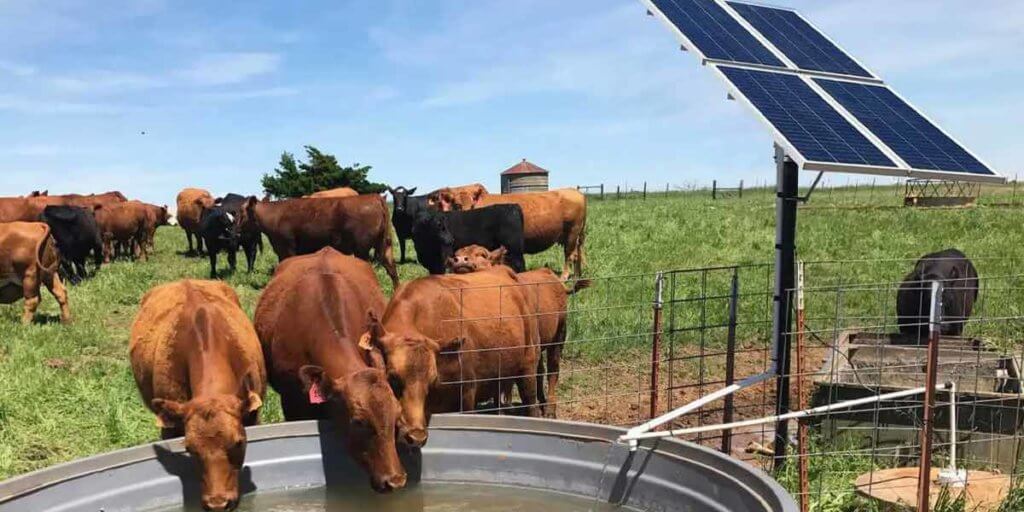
(489, 462)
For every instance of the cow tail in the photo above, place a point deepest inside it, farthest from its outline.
(44, 242)
(384, 244)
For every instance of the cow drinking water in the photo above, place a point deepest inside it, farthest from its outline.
(199, 368)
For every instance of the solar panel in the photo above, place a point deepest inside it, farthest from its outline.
(800, 42)
(815, 129)
(921, 144)
(715, 33)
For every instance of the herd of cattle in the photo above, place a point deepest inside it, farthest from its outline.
(324, 335)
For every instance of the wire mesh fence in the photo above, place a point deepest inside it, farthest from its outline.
(630, 348)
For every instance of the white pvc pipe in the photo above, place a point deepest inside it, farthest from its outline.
(633, 437)
(952, 426)
(696, 404)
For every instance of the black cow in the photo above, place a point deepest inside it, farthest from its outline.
(404, 210)
(217, 228)
(249, 237)
(76, 233)
(959, 293)
(437, 235)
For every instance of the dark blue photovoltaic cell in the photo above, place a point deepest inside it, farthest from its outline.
(798, 40)
(715, 33)
(915, 139)
(803, 117)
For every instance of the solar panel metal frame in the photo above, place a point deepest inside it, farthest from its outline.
(807, 75)
(903, 171)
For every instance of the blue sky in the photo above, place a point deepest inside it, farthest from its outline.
(443, 92)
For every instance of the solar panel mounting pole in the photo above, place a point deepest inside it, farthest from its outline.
(786, 190)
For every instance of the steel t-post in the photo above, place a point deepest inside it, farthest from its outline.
(786, 190)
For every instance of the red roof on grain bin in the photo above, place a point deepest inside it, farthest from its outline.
(524, 167)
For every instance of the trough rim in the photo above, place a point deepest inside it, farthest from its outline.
(756, 481)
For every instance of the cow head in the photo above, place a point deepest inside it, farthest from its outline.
(367, 413)
(434, 240)
(400, 196)
(475, 257)
(215, 438)
(411, 363)
(245, 221)
(163, 217)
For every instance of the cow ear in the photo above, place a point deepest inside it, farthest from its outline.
(168, 412)
(497, 256)
(253, 401)
(452, 345)
(250, 203)
(411, 191)
(374, 335)
(312, 375)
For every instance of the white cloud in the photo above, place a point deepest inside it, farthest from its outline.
(105, 82)
(229, 68)
(272, 92)
(26, 105)
(16, 69)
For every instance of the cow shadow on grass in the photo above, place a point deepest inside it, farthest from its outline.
(180, 464)
(45, 319)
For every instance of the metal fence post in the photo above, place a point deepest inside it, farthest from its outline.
(659, 281)
(730, 359)
(645, 191)
(803, 463)
(602, 191)
(924, 474)
(714, 189)
(741, 189)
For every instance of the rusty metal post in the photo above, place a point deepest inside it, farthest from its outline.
(924, 474)
(730, 359)
(803, 463)
(659, 281)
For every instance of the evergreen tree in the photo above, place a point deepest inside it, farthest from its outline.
(320, 171)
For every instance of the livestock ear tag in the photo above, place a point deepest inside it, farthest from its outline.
(364, 341)
(314, 395)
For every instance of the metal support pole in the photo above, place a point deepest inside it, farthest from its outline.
(730, 359)
(924, 474)
(659, 281)
(786, 190)
(714, 189)
(602, 191)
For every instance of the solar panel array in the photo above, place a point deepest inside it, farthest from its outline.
(820, 103)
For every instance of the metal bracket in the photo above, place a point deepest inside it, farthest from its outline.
(810, 191)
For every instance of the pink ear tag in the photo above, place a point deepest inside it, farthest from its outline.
(314, 395)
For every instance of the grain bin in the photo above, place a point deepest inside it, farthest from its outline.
(524, 177)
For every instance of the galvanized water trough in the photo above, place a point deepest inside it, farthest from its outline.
(573, 458)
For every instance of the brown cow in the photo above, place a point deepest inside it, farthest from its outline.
(309, 319)
(557, 216)
(199, 368)
(549, 301)
(465, 197)
(440, 364)
(156, 216)
(15, 209)
(28, 209)
(191, 203)
(335, 192)
(93, 200)
(123, 225)
(352, 225)
(29, 257)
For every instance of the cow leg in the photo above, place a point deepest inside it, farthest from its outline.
(389, 265)
(59, 292)
(213, 261)
(250, 256)
(527, 386)
(401, 249)
(30, 288)
(554, 357)
(572, 241)
(468, 398)
(108, 250)
(188, 238)
(232, 259)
